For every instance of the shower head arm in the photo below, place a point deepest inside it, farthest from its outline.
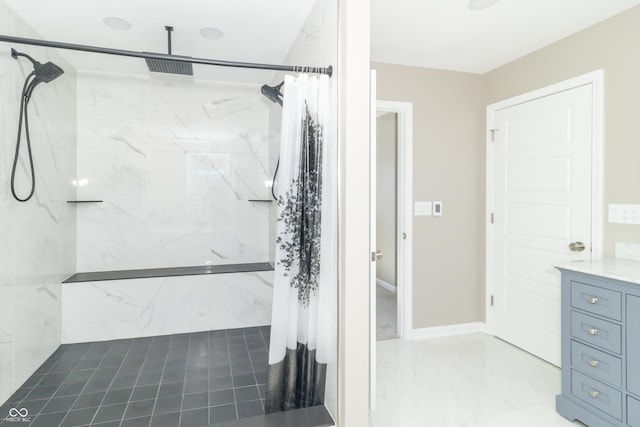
(169, 30)
(15, 54)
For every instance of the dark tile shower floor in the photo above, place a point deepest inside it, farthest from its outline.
(179, 380)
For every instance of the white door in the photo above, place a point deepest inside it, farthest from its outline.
(541, 206)
(372, 246)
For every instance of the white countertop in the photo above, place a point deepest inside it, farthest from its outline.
(612, 268)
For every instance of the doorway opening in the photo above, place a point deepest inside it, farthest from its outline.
(396, 184)
(392, 194)
(386, 225)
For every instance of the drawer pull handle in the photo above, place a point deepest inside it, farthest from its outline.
(592, 331)
(593, 393)
(593, 362)
(592, 300)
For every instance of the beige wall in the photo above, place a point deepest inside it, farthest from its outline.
(386, 160)
(613, 46)
(448, 156)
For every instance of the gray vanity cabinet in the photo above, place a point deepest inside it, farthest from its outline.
(600, 348)
(633, 347)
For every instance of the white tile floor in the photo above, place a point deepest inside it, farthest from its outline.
(470, 380)
(386, 314)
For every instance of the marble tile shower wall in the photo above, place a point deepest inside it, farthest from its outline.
(176, 162)
(37, 238)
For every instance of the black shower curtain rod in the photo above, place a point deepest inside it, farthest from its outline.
(161, 56)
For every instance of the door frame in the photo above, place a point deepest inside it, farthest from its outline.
(596, 79)
(404, 197)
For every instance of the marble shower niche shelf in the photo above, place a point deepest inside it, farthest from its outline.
(84, 201)
(147, 273)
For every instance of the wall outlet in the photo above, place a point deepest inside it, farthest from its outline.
(624, 214)
(422, 209)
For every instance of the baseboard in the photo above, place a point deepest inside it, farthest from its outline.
(386, 285)
(445, 331)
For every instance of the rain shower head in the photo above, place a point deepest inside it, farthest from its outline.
(182, 65)
(170, 67)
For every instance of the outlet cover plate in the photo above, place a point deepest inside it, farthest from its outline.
(624, 214)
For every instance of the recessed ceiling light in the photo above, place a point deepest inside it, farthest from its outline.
(481, 4)
(117, 23)
(211, 33)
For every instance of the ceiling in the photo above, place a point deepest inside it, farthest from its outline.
(443, 34)
(264, 35)
(446, 34)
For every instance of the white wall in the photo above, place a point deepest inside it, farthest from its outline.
(37, 238)
(175, 161)
(354, 106)
(120, 309)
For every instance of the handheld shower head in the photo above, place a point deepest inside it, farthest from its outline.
(48, 72)
(44, 73)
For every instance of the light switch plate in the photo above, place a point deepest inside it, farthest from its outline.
(437, 208)
(624, 214)
(422, 209)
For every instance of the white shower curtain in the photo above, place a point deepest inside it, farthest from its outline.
(305, 269)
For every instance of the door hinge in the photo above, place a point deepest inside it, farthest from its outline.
(404, 236)
(491, 300)
(492, 218)
(493, 134)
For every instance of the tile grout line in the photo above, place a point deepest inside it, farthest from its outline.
(133, 387)
(112, 379)
(61, 384)
(196, 344)
(235, 400)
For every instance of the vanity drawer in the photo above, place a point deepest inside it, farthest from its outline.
(597, 394)
(603, 302)
(633, 412)
(596, 363)
(594, 331)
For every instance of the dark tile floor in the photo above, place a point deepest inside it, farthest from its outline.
(172, 381)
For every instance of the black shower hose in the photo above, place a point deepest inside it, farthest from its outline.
(273, 183)
(27, 90)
